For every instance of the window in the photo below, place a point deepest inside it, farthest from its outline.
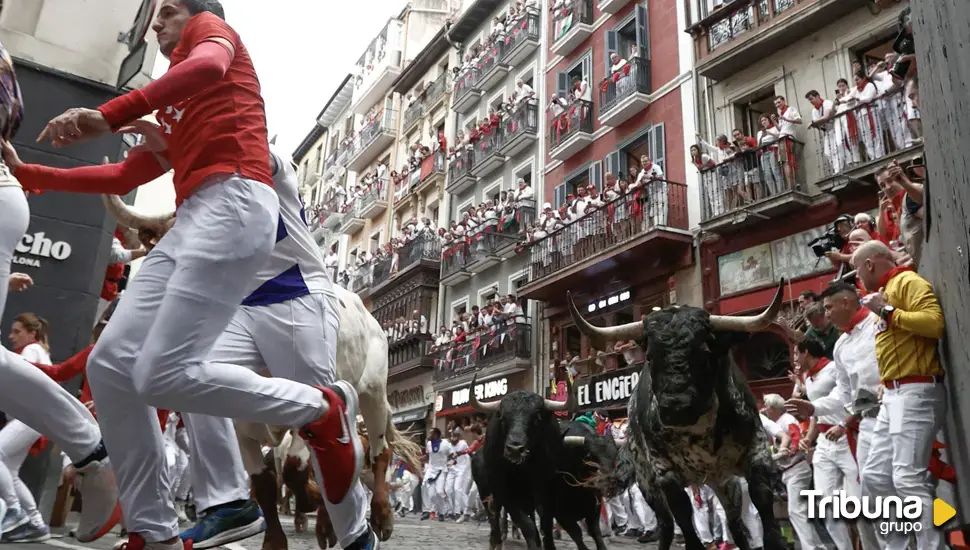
(496, 101)
(458, 308)
(749, 109)
(582, 69)
(514, 285)
(375, 241)
(559, 195)
(872, 52)
(651, 143)
(592, 174)
(524, 172)
(631, 38)
(320, 158)
(434, 215)
(487, 295)
(493, 191)
(572, 342)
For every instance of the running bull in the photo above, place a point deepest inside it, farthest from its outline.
(361, 360)
(530, 462)
(693, 419)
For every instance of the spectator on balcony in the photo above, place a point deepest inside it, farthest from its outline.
(768, 138)
(632, 353)
(523, 92)
(498, 29)
(846, 126)
(419, 323)
(619, 73)
(648, 171)
(557, 106)
(912, 109)
(524, 194)
(581, 90)
(890, 104)
(443, 339)
(702, 161)
(330, 262)
(867, 117)
(822, 113)
(788, 117)
(409, 101)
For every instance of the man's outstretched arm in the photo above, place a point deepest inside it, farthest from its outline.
(115, 179)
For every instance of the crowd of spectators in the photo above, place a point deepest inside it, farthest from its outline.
(478, 334)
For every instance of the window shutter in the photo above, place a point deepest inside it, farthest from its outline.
(621, 165)
(658, 147)
(588, 69)
(596, 175)
(559, 195)
(643, 30)
(562, 84)
(612, 46)
(611, 164)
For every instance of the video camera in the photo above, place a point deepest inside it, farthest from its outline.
(828, 241)
(904, 44)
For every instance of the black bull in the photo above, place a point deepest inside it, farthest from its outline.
(693, 419)
(531, 462)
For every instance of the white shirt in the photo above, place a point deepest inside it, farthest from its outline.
(868, 93)
(883, 81)
(618, 66)
(819, 385)
(525, 193)
(585, 93)
(438, 461)
(296, 266)
(827, 107)
(786, 420)
(771, 428)
(119, 254)
(654, 172)
(768, 136)
(462, 462)
(35, 353)
(856, 367)
(788, 128)
(524, 92)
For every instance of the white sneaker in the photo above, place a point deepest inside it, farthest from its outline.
(14, 519)
(100, 510)
(180, 511)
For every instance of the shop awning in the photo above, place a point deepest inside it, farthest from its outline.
(410, 415)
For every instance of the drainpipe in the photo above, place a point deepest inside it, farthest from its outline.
(539, 359)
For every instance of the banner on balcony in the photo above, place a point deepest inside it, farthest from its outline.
(608, 389)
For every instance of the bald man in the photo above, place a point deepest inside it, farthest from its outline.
(909, 326)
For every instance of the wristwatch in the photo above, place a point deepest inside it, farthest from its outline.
(886, 312)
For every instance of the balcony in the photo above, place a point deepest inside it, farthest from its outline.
(374, 138)
(506, 348)
(522, 40)
(432, 172)
(360, 282)
(645, 232)
(406, 184)
(311, 178)
(521, 129)
(571, 131)
(413, 115)
(851, 146)
(435, 94)
(330, 166)
(466, 93)
(377, 68)
(571, 26)
(487, 248)
(741, 33)
(487, 154)
(460, 178)
(353, 220)
(409, 354)
(512, 228)
(374, 200)
(611, 6)
(492, 69)
(626, 93)
(754, 186)
(423, 251)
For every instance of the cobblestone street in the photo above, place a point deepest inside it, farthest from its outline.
(409, 534)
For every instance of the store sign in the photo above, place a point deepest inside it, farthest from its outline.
(486, 390)
(408, 398)
(607, 389)
(33, 248)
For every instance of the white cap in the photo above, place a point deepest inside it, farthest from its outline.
(546, 206)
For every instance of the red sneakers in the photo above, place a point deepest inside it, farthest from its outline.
(333, 440)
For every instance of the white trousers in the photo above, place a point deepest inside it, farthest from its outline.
(474, 500)
(749, 516)
(702, 516)
(293, 340)
(869, 535)
(154, 353)
(433, 497)
(26, 393)
(641, 515)
(899, 455)
(457, 484)
(797, 479)
(16, 439)
(102, 307)
(617, 512)
(835, 469)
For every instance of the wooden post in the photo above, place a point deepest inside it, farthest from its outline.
(942, 35)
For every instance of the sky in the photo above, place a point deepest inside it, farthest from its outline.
(302, 50)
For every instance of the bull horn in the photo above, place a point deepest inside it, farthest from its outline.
(750, 323)
(600, 336)
(129, 217)
(574, 440)
(478, 405)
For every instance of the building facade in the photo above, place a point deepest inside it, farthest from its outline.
(763, 208)
(619, 100)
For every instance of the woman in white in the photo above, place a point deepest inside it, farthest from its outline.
(847, 140)
(23, 523)
(770, 166)
(867, 117)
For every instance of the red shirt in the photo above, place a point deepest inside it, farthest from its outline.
(223, 129)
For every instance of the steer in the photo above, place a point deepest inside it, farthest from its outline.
(361, 361)
(693, 419)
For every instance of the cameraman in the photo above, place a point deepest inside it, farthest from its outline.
(842, 226)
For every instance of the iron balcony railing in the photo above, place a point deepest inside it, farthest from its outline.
(329, 206)
(434, 164)
(491, 59)
(521, 32)
(484, 243)
(659, 204)
(414, 113)
(863, 134)
(377, 191)
(426, 246)
(466, 81)
(633, 78)
(502, 342)
(740, 17)
(330, 162)
(383, 122)
(461, 165)
(572, 13)
(416, 346)
(577, 118)
(751, 176)
(487, 146)
(524, 119)
(436, 89)
(362, 278)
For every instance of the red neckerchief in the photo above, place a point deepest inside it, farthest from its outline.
(648, 167)
(857, 318)
(818, 367)
(892, 273)
(863, 87)
(20, 350)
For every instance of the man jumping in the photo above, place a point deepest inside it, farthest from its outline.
(154, 352)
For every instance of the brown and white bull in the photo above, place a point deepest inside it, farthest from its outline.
(361, 361)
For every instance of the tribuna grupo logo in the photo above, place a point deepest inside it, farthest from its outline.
(891, 514)
(33, 247)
